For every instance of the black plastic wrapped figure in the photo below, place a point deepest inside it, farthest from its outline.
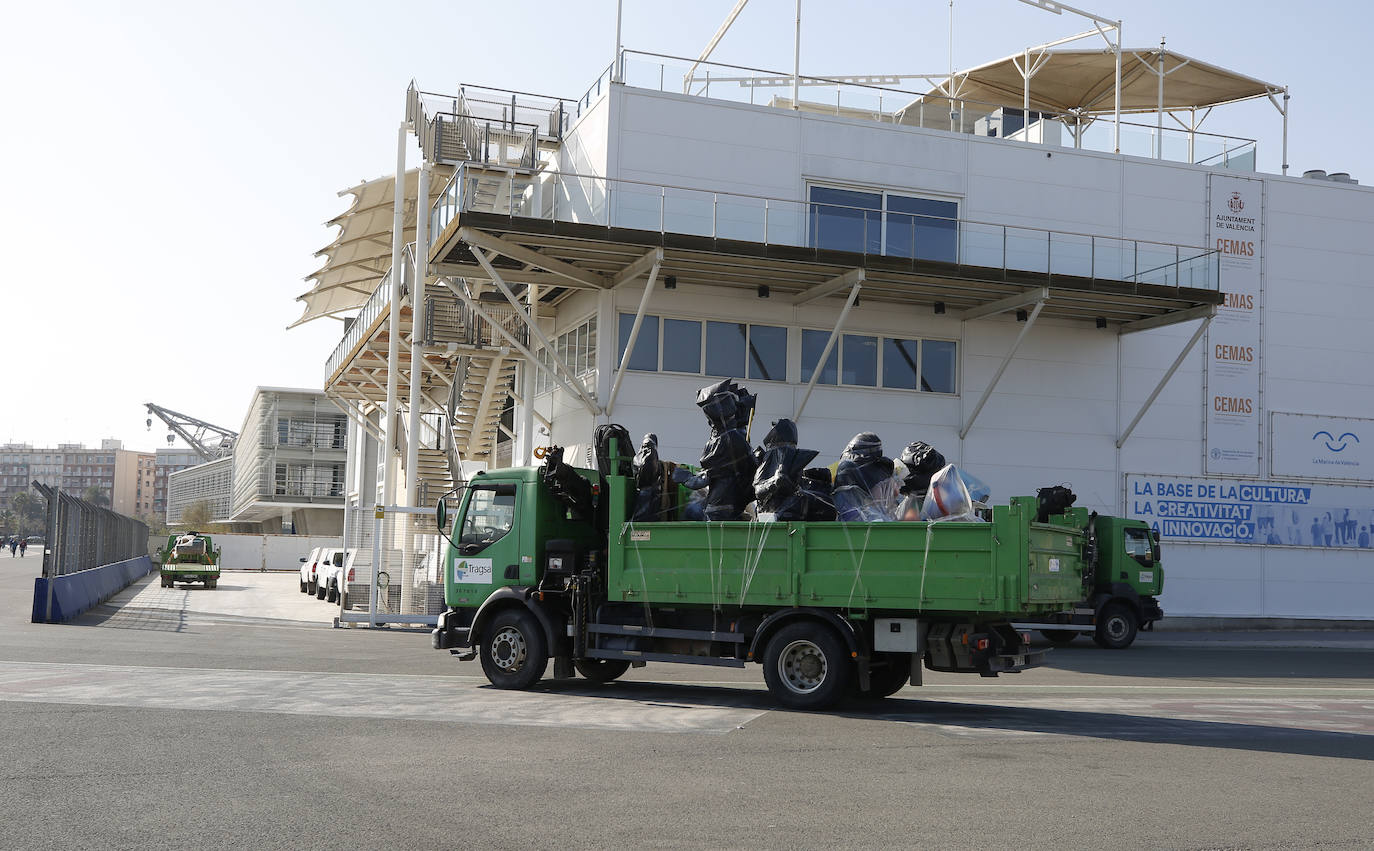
(921, 461)
(864, 488)
(777, 485)
(818, 494)
(648, 479)
(567, 485)
(727, 465)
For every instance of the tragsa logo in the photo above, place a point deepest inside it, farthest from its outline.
(1336, 444)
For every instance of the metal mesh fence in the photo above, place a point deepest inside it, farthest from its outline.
(399, 554)
(81, 535)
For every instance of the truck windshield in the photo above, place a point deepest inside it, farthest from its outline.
(489, 517)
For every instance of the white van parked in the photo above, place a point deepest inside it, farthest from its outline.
(328, 574)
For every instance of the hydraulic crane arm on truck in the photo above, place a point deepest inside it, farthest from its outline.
(828, 608)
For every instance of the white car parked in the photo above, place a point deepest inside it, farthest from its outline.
(308, 566)
(328, 574)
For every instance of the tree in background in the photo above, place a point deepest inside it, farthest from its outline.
(9, 524)
(28, 513)
(198, 515)
(95, 495)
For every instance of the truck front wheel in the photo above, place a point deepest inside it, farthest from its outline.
(1116, 626)
(514, 654)
(601, 670)
(806, 666)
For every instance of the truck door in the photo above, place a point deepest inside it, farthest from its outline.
(488, 544)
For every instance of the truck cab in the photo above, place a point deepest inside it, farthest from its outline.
(1122, 582)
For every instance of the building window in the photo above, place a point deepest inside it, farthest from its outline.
(871, 222)
(725, 349)
(859, 360)
(577, 348)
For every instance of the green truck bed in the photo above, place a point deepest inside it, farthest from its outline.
(1009, 567)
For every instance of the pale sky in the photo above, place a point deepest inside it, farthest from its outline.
(169, 166)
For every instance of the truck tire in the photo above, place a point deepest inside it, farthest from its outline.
(806, 666)
(1117, 624)
(212, 583)
(1059, 636)
(601, 670)
(513, 650)
(888, 679)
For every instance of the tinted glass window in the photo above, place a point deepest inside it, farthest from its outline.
(645, 355)
(681, 345)
(937, 366)
(899, 363)
(923, 228)
(813, 343)
(859, 360)
(767, 353)
(725, 349)
(489, 517)
(846, 220)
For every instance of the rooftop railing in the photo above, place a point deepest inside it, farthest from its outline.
(893, 105)
(610, 203)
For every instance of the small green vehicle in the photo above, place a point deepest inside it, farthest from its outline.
(190, 557)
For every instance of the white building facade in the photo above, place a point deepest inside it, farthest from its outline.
(1234, 413)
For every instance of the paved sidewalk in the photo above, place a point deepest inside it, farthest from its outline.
(262, 596)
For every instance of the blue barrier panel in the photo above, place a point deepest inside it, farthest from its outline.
(77, 592)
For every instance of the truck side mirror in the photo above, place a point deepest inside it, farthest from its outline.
(441, 515)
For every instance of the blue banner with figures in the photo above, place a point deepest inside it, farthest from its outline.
(1249, 512)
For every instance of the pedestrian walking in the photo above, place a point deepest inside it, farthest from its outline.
(14, 546)
(23, 546)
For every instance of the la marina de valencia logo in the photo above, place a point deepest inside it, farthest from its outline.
(1336, 444)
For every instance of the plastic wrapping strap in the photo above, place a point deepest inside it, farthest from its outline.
(751, 569)
(643, 576)
(858, 564)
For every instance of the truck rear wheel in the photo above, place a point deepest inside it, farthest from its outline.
(806, 666)
(601, 670)
(514, 654)
(888, 678)
(1116, 626)
(1059, 636)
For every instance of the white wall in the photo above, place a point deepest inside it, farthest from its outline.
(268, 552)
(1065, 398)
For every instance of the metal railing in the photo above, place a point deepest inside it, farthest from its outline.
(892, 105)
(80, 535)
(376, 304)
(613, 203)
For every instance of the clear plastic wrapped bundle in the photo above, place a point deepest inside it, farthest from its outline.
(865, 489)
(954, 495)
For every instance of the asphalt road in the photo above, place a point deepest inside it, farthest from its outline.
(178, 727)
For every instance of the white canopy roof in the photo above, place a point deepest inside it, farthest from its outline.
(360, 254)
(1083, 81)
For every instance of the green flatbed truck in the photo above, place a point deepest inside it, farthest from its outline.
(830, 609)
(190, 557)
(1122, 581)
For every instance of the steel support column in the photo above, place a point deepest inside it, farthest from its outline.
(830, 343)
(1015, 346)
(634, 337)
(1169, 373)
(394, 326)
(417, 306)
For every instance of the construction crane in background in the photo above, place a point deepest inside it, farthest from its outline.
(209, 441)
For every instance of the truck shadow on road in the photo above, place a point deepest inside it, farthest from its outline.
(1217, 663)
(991, 720)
